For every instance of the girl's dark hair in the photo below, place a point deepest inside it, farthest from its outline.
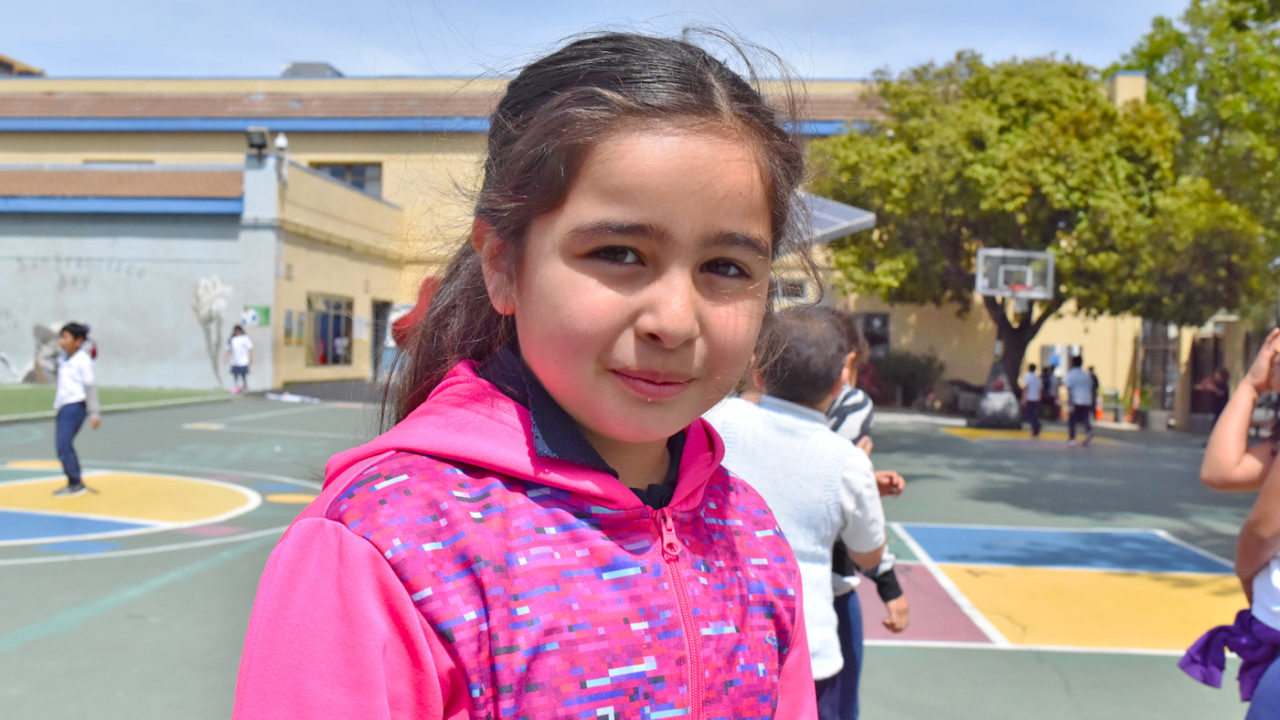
(76, 330)
(551, 116)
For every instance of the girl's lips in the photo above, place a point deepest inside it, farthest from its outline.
(652, 386)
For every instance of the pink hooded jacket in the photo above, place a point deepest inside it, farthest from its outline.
(448, 571)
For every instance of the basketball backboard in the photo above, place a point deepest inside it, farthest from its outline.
(1023, 275)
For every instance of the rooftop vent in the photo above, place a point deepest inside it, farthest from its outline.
(311, 70)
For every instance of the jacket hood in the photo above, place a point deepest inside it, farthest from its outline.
(468, 420)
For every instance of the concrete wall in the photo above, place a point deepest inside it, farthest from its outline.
(134, 279)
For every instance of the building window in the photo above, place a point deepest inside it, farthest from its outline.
(875, 330)
(329, 334)
(792, 290)
(365, 177)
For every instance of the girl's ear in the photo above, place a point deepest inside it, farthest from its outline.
(497, 271)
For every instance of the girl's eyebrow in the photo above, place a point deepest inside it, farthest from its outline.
(614, 228)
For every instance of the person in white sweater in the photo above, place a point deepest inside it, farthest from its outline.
(76, 398)
(820, 486)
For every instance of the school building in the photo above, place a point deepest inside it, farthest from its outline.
(308, 207)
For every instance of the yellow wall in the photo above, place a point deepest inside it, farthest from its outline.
(967, 344)
(320, 267)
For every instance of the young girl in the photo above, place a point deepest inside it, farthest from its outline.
(76, 397)
(1230, 465)
(547, 531)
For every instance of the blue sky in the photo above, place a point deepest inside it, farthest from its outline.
(818, 38)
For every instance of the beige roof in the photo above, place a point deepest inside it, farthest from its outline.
(48, 182)
(841, 107)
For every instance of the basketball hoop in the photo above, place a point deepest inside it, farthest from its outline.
(1020, 292)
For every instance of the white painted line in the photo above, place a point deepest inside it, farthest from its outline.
(904, 418)
(272, 413)
(939, 644)
(979, 526)
(179, 469)
(1205, 553)
(978, 619)
(143, 551)
(141, 405)
(275, 431)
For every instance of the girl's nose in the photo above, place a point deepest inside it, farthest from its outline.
(670, 313)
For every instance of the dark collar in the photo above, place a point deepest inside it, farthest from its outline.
(556, 435)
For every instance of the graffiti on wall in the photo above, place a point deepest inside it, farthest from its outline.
(208, 304)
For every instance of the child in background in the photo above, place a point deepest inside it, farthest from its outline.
(76, 397)
(820, 486)
(1080, 396)
(547, 532)
(240, 353)
(852, 417)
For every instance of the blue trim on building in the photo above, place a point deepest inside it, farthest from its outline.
(407, 124)
(122, 205)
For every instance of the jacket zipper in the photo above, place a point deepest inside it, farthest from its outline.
(671, 553)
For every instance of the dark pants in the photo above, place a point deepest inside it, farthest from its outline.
(70, 419)
(1079, 414)
(838, 695)
(1031, 413)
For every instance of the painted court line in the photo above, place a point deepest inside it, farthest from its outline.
(976, 617)
(74, 617)
(312, 407)
(271, 431)
(1039, 528)
(146, 551)
(252, 497)
(1166, 535)
(142, 405)
(946, 645)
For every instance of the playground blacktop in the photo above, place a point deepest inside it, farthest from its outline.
(1046, 581)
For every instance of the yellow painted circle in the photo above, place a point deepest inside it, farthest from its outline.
(294, 498)
(152, 499)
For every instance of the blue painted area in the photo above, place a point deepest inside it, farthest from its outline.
(123, 205)
(1138, 550)
(29, 526)
(80, 547)
(287, 124)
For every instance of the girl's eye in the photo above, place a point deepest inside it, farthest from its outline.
(617, 254)
(727, 268)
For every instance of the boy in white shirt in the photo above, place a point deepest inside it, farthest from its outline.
(1080, 395)
(240, 351)
(1032, 393)
(76, 397)
(819, 485)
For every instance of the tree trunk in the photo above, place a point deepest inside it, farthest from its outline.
(1014, 339)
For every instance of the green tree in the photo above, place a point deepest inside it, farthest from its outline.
(1032, 155)
(1218, 71)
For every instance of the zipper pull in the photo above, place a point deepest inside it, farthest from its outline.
(667, 527)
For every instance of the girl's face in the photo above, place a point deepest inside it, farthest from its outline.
(69, 343)
(638, 300)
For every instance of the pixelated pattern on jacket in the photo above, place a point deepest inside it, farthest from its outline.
(559, 609)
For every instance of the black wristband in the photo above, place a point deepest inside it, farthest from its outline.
(887, 586)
